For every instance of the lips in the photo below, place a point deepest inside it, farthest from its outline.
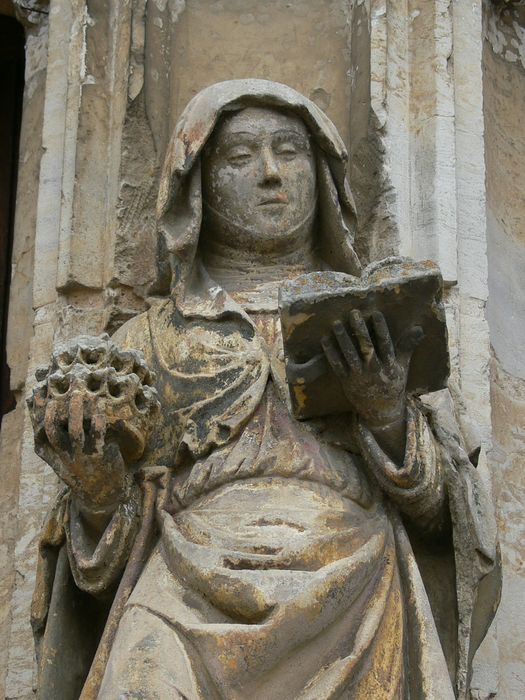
(279, 198)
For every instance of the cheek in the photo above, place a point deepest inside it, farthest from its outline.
(229, 185)
(301, 183)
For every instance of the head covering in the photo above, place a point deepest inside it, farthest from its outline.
(179, 204)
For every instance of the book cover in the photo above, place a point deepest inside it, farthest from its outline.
(409, 294)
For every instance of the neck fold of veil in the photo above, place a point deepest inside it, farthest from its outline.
(179, 204)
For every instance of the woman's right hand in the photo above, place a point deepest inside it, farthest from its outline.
(92, 412)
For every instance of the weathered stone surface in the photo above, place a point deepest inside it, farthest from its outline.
(508, 410)
(10, 444)
(92, 396)
(504, 104)
(407, 294)
(280, 43)
(14, 654)
(414, 163)
(253, 508)
(427, 97)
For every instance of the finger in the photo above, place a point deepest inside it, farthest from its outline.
(408, 343)
(49, 454)
(385, 346)
(76, 420)
(366, 347)
(347, 348)
(54, 431)
(113, 457)
(333, 357)
(98, 431)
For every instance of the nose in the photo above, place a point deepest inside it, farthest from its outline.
(270, 171)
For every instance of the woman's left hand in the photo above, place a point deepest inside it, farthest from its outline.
(373, 375)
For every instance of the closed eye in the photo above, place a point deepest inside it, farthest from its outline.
(239, 156)
(239, 160)
(287, 150)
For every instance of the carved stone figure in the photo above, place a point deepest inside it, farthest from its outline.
(219, 547)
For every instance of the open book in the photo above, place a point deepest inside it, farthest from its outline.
(406, 292)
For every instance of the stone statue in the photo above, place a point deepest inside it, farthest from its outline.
(209, 545)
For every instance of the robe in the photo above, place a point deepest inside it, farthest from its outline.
(290, 560)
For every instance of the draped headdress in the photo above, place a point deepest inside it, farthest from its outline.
(179, 204)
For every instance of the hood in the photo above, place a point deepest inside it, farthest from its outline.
(179, 204)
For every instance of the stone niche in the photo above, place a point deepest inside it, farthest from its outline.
(320, 49)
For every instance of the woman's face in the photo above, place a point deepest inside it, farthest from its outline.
(259, 175)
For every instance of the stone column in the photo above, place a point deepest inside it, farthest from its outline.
(20, 331)
(70, 215)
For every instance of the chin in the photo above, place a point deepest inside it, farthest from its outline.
(277, 220)
(265, 231)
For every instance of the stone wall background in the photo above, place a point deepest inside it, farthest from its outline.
(504, 97)
(20, 334)
(429, 96)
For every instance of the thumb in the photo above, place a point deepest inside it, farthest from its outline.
(407, 343)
